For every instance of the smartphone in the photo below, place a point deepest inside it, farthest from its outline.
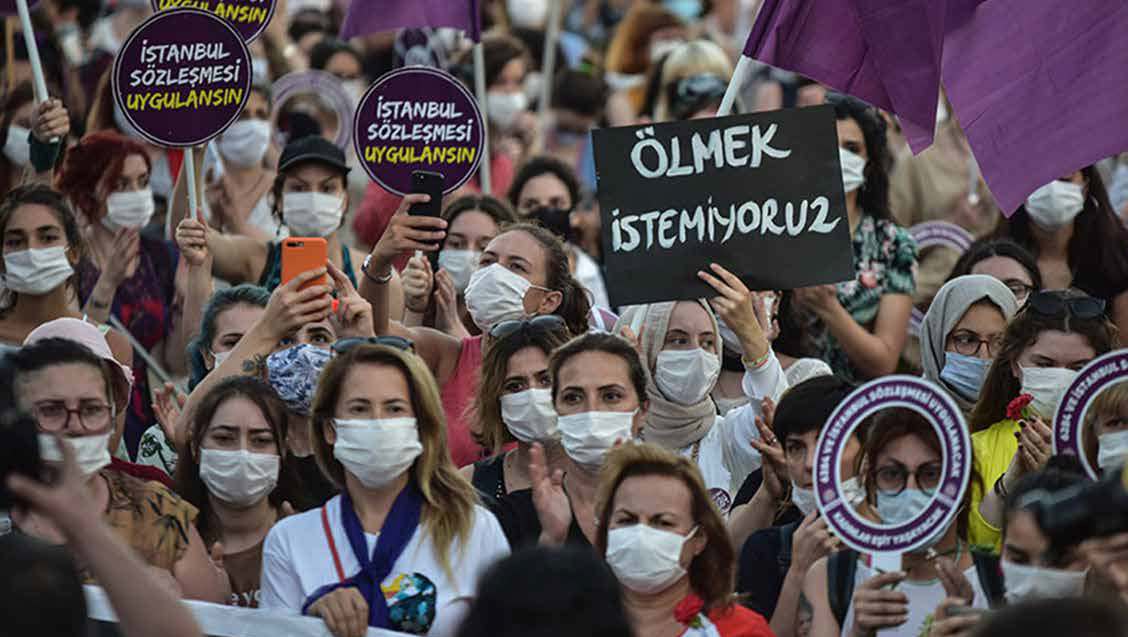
(19, 451)
(301, 255)
(427, 183)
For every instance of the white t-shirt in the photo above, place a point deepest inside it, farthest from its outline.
(725, 456)
(589, 276)
(297, 560)
(924, 597)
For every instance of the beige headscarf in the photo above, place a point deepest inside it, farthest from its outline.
(668, 424)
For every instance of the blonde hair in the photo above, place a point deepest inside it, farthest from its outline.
(692, 58)
(1105, 403)
(448, 498)
(712, 575)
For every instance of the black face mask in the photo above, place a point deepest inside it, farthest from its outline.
(556, 220)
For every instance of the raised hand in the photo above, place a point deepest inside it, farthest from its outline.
(354, 312)
(290, 307)
(876, 607)
(552, 505)
(50, 121)
(407, 233)
(741, 310)
(446, 306)
(192, 240)
(167, 408)
(813, 541)
(418, 281)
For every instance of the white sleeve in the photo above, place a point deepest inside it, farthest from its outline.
(279, 588)
(492, 545)
(738, 427)
(768, 381)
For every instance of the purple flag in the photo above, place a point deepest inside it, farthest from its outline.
(1039, 87)
(373, 16)
(886, 52)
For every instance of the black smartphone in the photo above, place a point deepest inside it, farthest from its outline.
(424, 182)
(19, 451)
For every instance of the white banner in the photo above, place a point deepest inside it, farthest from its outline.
(232, 621)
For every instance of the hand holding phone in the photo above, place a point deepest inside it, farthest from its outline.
(301, 254)
(430, 184)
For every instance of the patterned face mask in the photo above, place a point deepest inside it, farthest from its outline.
(294, 372)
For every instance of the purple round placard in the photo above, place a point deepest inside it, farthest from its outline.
(1094, 378)
(418, 118)
(942, 413)
(249, 17)
(936, 233)
(182, 77)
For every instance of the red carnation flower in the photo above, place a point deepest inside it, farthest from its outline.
(687, 610)
(1016, 409)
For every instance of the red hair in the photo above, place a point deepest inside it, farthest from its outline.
(96, 159)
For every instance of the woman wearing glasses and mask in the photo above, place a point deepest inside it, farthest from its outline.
(404, 543)
(904, 457)
(67, 389)
(1056, 334)
(522, 273)
(669, 548)
(962, 331)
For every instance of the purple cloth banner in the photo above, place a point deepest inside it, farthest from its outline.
(372, 16)
(1036, 84)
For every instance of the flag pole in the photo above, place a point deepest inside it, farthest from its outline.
(10, 48)
(33, 56)
(739, 78)
(190, 178)
(480, 90)
(548, 66)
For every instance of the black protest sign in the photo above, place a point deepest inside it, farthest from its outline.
(761, 194)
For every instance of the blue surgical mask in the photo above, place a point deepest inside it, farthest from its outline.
(685, 9)
(964, 374)
(900, 508)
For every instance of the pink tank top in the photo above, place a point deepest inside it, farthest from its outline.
(457, 394)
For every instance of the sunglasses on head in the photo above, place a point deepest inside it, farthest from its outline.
(546, 323)
(398, 342)
(1053, 304)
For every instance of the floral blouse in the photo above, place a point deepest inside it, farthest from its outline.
(885, 258)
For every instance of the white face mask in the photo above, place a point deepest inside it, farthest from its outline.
(1054, 205)
(312, 214)
(529, 14)
(900, 508)
(803, 499)
(645, 559)
(220, 357)
(354, 89)
(1112, 450)
(588, 436)
(687, 376)
(854, 491)
(495, 294)
(239, 478)
(1047, 385)
(853, 170)
(16, 147)
(659, 48)
(377, 451)
(131, 209)
(460, 265)
(36, 271)
(244, 143)
(503, 108)
(260, 69)
(91, 453)
(529, 415)
(1024, 582)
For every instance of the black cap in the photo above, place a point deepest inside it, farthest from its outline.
(312, 148)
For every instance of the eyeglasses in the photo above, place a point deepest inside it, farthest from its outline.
(545, 323)
(1021, 290)
(398, 342)
(968, 343)
(54, 415)
(1052, 303)
(892, 479)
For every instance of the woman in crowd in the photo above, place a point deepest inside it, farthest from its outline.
(668, 547)
(472, 221)
(228, 315)
(310, 197)
(239, 198)
(692, 82)
(678, 342)
(125, 274)
(236, 475)
(15, 126)
(378, 434)
(1045, 345)
(1006, 261)
(1106, 420)
(67, 390)
(962, 332)
(902, 459)
(774, 560)
(513, 405)
(599, 391)
(862, 324)
(647, 33)
(546, 190)
(1078, 240)
(522, 273)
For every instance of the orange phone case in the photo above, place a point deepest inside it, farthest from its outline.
(301, 254)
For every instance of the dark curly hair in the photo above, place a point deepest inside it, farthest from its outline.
(873, 196)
